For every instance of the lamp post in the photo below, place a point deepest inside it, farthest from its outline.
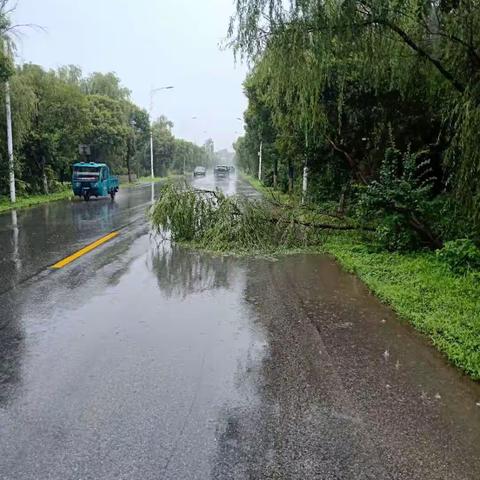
(260, 158)
(195, 140)
(153, 91)
(8, 109)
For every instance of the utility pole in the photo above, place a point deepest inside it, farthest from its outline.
(305, 182)
(131, 150)
(260, 154)
(305, 171)
(151, 151)
(275, 172)
(8, 108)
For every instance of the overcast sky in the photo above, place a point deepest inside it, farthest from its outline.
(147, 43)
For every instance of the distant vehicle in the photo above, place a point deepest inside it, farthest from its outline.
(232, 169)
(222, 171)
(199, 172)
(93, 180)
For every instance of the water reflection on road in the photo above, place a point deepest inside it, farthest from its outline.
(232, 185)
(181, 272)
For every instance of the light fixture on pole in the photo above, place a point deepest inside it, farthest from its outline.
(153, 91)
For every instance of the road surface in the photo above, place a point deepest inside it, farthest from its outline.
(145, 361)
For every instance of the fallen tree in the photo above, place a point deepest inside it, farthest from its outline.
(213, 221)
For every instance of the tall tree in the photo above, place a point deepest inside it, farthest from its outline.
(348, 79)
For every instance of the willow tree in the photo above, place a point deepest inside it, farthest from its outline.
(424, 50)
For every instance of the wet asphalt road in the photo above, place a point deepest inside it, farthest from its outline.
(147, 361)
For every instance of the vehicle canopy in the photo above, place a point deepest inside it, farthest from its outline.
(91, 171)
(90, 167)
(200, 169)
(92, 179)
(222, 168)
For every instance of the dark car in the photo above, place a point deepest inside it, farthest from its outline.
(199, 172)
(222, 171)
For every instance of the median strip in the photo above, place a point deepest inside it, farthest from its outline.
(85, 250)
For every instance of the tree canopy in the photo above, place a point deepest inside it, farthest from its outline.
(54, 111)
(336, 85)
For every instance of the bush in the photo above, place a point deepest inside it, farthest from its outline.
(399, 202)
(462, 256)
(392, 234)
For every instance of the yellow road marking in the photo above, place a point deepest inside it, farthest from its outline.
(83, 251)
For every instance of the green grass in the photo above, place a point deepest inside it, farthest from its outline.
(32, 200)
(269, 192)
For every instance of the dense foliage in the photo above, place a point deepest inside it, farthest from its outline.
(379, 99)
(56, 111)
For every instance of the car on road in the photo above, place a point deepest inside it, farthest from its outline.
(199, 172)
(93, 180)
(222, 171)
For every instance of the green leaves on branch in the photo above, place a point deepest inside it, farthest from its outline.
(462, 256)
(55, 111)
(337, 81)
(213, 221)
(400, 199)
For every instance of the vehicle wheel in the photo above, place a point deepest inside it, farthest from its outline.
(112, 194)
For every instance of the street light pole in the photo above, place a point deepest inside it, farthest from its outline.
(8, 108)
(151, 152)
(153, 91)
(260, 154)
(305, 171)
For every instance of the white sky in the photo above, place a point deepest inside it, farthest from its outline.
(148, 43)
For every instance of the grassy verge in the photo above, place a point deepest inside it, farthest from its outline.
(30, 201)
(267, 191)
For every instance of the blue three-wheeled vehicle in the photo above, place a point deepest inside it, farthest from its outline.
(93, 180)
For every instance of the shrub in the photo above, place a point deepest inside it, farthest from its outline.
(392, 234)
(398, 202)
(462, 256)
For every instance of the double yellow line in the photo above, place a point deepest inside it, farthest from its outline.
(85, 250)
